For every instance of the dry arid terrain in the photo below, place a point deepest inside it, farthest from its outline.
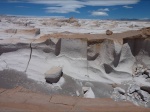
(78, 65)
(22, 100)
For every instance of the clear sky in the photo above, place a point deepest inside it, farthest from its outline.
(87, 9)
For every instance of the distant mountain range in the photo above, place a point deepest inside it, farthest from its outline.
(122, 19)
(133, 19)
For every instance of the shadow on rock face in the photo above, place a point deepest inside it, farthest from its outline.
(146, 88)
(12, 78)
(91, 58)
(138, 44)
(108, 68)
(116, 59)
(12, 48)
(58, 47)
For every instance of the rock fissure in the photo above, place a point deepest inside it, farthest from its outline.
(29, 57)
(6, 64)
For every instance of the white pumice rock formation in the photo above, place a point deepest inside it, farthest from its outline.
(90, 59)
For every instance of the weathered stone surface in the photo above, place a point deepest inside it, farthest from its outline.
(53, 75)
(146, 31)
(74, 48)
(108, 32)
(90, 56)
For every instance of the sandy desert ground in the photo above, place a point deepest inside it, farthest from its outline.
(22, 100)
(73, 65)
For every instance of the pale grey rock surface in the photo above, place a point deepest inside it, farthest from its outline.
(53, 75)
(28, 52)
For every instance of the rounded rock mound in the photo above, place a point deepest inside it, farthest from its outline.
(108, 32)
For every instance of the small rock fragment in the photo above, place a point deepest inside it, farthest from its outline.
(88, 92)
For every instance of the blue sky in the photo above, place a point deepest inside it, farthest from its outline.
(87, 9)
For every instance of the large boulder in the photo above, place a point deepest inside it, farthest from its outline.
(108, 32)
(53, 75)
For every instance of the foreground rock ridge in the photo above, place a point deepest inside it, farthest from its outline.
(26, 100)
(115, 65)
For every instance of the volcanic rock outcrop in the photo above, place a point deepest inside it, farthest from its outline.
(91, 63)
